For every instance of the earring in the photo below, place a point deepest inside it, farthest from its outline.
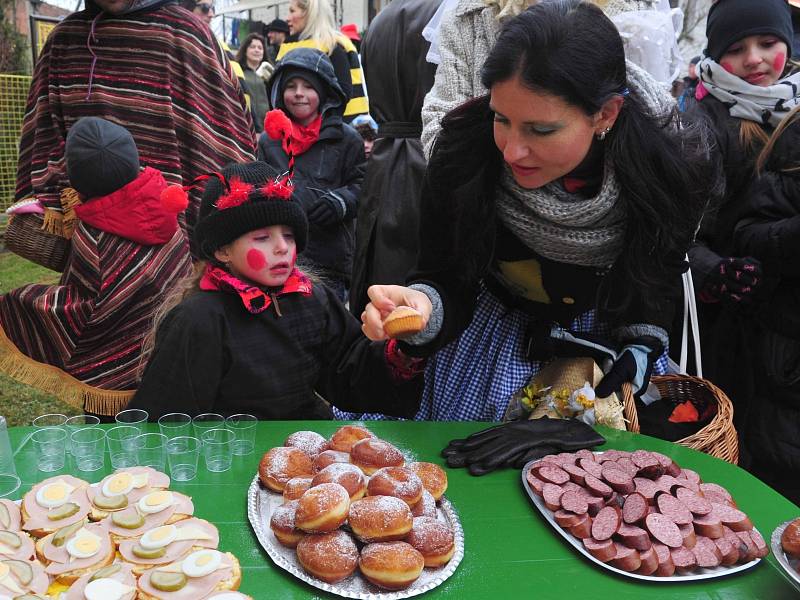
(602, 135)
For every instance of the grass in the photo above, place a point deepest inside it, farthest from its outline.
(20, 403)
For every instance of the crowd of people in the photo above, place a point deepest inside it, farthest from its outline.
(244, 232)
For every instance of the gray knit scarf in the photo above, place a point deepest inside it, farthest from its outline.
(567, 227)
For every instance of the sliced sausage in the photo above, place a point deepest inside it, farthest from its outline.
(689, 475)
(664, 530)
(553, 474)
(689, 536)
(567, 458)
(552, 496)
(591, 466)
(602, 550)
(729, 552)
(761, 545)
(626, 465)
(708, 525)
(597, 487)
(673, 508)
(717, 498)
(732, 517)
(649, 560)
(571, 485)
(619, 480)
(595, 503)
(751, 552)
(633, 536)
(582, 529)
(567, 519)
(714, 488)
(647, 464)
(696, 504)
(666, 568)
(574, 502)
(635, 508)
(575, 473)
(706, 553)
(736, 542)
(646, 488)
(684, 559)
(584, 454)
(626, 558)
(615, 500)
(666, 483)
(606, 523)
(535, 483)
(610, 455)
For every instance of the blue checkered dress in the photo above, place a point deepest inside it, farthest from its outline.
(474, 377)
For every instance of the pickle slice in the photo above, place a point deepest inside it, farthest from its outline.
(167, 582)
(111, 502)
(64, 511)
(148, 552)
(10, 539)
(5, 517)
(130, 520)
(106, 571)
(63, 534)
(22, 570)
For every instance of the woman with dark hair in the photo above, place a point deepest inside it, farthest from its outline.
(250, 56)
(560, 204)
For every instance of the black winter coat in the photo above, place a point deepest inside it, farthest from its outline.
(387, 227)
(333, 168)
(212, 355)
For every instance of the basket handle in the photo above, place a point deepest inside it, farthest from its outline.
(690, 323)
(629, 408)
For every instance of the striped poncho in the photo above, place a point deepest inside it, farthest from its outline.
(160, 74)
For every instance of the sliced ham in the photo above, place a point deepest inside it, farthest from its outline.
(38, 584)
(195, 588)
(177, 549)
(182, 505)
(14, 516)
(24, 552)
(62, 562)
(124, 576)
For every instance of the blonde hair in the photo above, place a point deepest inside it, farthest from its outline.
(509, 8)
(752, 136)
(320, 25)
(787, 122)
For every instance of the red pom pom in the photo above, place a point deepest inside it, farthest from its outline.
(237, 195)
(278, 189)
(174, 199)
(279, 127)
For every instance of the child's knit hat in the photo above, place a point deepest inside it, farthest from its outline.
(732, 20)
(242, 198)
(101, 157)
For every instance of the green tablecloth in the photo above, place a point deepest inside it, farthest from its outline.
(510, 550)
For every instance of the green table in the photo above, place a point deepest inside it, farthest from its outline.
(510, 550)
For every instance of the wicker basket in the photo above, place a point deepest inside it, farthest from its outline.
(26, 237)
(718, 438)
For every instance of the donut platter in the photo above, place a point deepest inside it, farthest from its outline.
(355, 524)
(787, 562)
(639, 515)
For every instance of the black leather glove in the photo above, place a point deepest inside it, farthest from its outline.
(734, 280)
(509, 444)
(326, 211)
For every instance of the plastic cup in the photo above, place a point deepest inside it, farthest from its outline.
(151, 450)
(50, 444)
(204, 422)
(122, 446)
(133, 417)
(77, 423)
(244, 428)
(182, 454)
(175, 425)
(217, 449)
(88, 445)
(9, 480)
(49, 420)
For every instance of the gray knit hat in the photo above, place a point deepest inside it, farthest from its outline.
(101, 157)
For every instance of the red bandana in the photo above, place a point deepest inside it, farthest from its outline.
(255, 299)
(304, 136)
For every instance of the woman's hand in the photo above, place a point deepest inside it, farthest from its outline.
(383, 300)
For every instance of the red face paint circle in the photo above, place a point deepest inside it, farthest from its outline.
(728, 67)
(255, 259)
(779, 63)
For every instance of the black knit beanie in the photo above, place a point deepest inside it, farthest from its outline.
(217, 227)
(732, 20)
(101, 157)
(312, 78)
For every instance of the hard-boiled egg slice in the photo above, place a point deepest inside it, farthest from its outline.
(159, 537)
(140, 480)
(106, 589)
(155, 501)
(119, 483)
(54, 494)
(83, 545)
(201, 563)
(192, 532)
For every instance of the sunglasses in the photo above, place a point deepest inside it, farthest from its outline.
(205, 8)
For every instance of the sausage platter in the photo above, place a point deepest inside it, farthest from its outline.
(563, 503)
(788, 564)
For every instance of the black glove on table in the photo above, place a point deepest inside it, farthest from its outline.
(515, 443)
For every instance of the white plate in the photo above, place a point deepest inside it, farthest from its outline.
(260, 504)
(790, 565)
(698, 574)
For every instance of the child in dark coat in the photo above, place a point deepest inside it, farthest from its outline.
(329, 160)
(255, 334)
